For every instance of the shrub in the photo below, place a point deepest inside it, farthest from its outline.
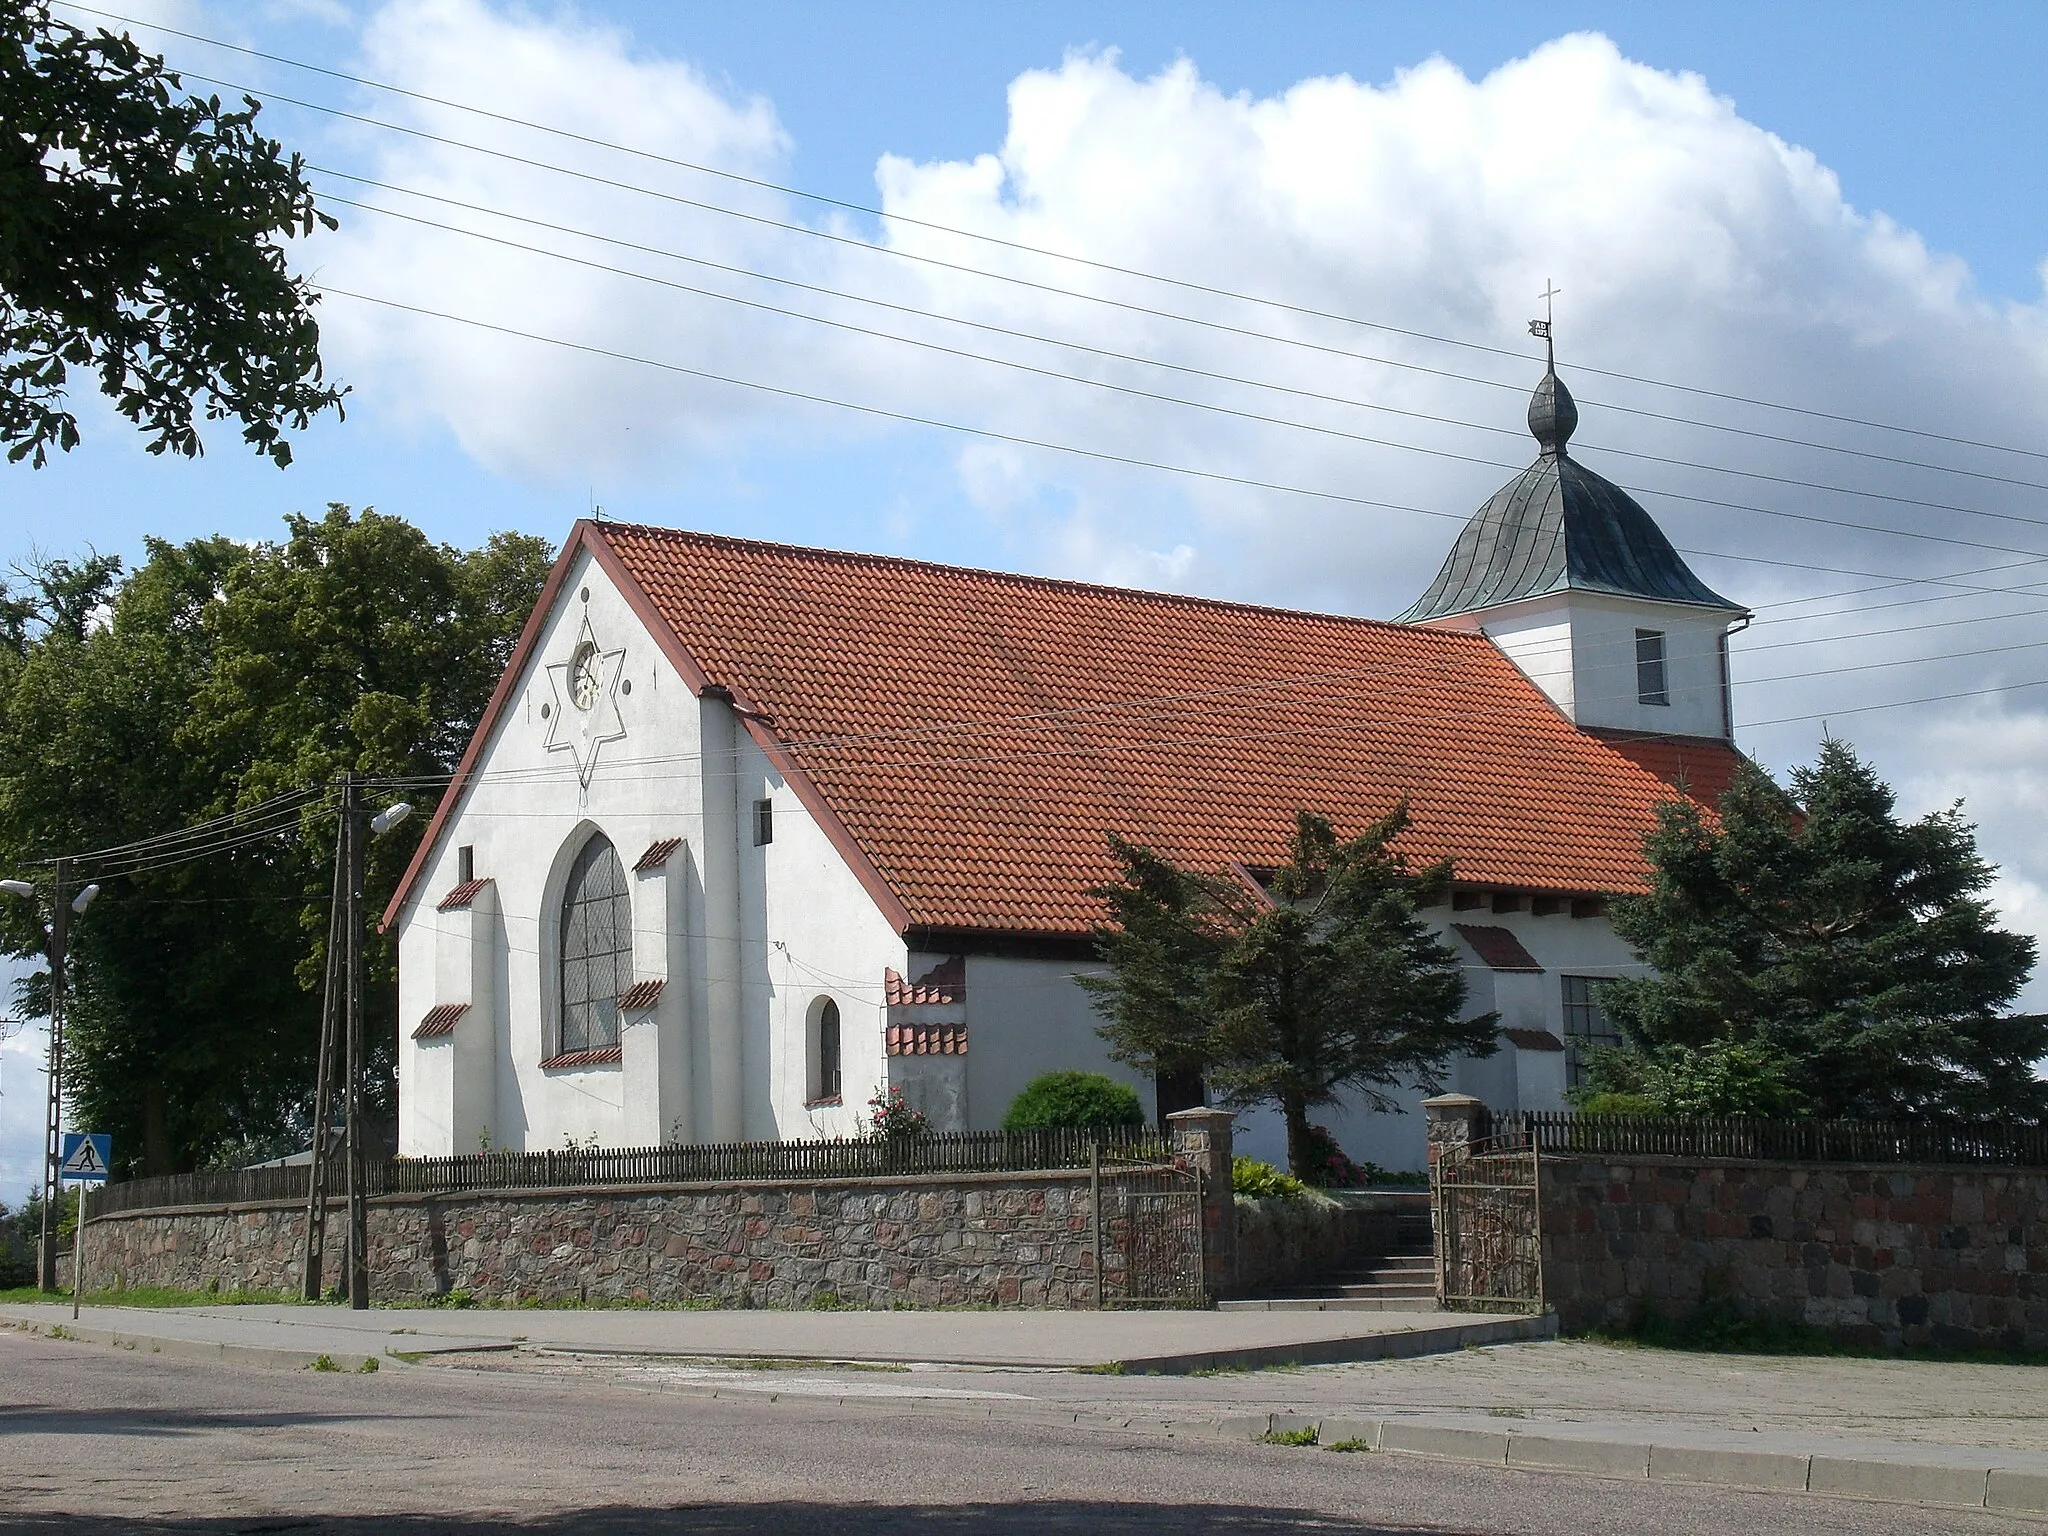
(1326, 1166)
(1085, 1099)
(1262, 1181)
(893, 1118)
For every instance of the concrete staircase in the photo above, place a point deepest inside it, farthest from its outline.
(1401, 1279)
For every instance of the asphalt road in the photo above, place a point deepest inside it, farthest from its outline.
(103, 1441)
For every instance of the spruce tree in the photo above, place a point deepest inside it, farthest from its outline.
(1323, 980)
(1850, 953)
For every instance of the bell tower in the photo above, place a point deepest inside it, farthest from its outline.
(1567, 574)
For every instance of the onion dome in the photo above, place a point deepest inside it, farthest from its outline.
(1559, 527)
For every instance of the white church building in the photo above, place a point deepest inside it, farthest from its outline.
(748, 831)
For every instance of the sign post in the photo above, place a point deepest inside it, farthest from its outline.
(84, 1163)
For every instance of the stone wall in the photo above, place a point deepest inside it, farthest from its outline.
(1890, 1255)
(1281, 1241)
(997, 1240)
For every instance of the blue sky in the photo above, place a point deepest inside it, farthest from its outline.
(1847, 209)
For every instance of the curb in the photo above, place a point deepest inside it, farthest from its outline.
(1950, 1487)
(194, 1349)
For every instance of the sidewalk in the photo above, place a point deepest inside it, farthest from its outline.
(1168, 1342)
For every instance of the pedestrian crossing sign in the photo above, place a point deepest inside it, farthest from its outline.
(86, 1154)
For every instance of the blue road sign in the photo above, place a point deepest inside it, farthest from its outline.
(86, 1155)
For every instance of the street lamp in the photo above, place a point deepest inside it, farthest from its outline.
(55, 933)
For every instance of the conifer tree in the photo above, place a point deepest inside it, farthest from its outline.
(1852, 956)
(1323, 980)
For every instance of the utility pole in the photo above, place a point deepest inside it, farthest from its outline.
(353, 819)
(321, 1173)
(53, 1124)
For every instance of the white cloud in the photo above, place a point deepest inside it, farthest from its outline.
(1690, 244)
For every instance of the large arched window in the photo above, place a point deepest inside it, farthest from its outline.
(597, 949)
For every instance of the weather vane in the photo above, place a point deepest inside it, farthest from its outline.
(1541, 328)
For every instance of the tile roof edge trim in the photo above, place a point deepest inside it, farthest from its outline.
(458, 785)
(1063, 583)
(749, 713)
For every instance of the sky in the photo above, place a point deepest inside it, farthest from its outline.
(1283, 255)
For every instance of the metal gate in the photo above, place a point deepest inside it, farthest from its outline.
(1147, 1231)
(1485, 1197)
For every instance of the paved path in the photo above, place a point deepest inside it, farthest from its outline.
(1164, 1341)
(93, 1439)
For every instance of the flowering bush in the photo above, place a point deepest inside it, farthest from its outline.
(891, 1117)
(1328, 1167)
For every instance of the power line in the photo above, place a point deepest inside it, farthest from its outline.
(1022, 247)
(1429, 416)
(1100, 455)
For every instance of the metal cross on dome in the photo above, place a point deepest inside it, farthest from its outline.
(583, 712)
(1540, 329)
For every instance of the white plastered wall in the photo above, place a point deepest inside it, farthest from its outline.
(1580, 649)
(739, 934)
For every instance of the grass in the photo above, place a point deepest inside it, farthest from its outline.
(323, 1363)
(1349, 1445)
(1290, 1436)
(1268, 1368)
(1104, 1368)
(157, 1296)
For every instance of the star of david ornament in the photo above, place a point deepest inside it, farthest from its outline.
(585, 691)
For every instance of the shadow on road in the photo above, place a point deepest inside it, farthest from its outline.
(752, 1519)
(49, 1419)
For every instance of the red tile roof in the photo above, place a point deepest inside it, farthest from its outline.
(1701, 768)
(604, 1056)
(1533, 1039)
(657, 854)
(639, 996)
(463, 894)
(927, 1039)
(440, 1020)
(966, 738)
(1498, 948)
(945, 982)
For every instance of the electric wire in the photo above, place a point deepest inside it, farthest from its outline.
(1100, 455)
(1126, 389)
(1022, 247)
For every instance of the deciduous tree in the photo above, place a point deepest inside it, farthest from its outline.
(215, 677)
(141, 244)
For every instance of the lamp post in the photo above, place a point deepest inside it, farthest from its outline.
(55, 933)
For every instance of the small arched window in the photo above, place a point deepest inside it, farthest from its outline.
(597, 948)
(825, 1077)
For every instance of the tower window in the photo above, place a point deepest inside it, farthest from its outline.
(1651, 686)
(465, 863)
(764, 822)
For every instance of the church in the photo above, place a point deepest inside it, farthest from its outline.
(750, 831)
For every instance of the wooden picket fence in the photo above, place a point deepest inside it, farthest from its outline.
(961, 1152)
(1781, 1141)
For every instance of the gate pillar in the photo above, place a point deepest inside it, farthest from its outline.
(1454, 1121)
(1202, 1144)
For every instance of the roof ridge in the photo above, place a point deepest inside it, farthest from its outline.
(1058, 583)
